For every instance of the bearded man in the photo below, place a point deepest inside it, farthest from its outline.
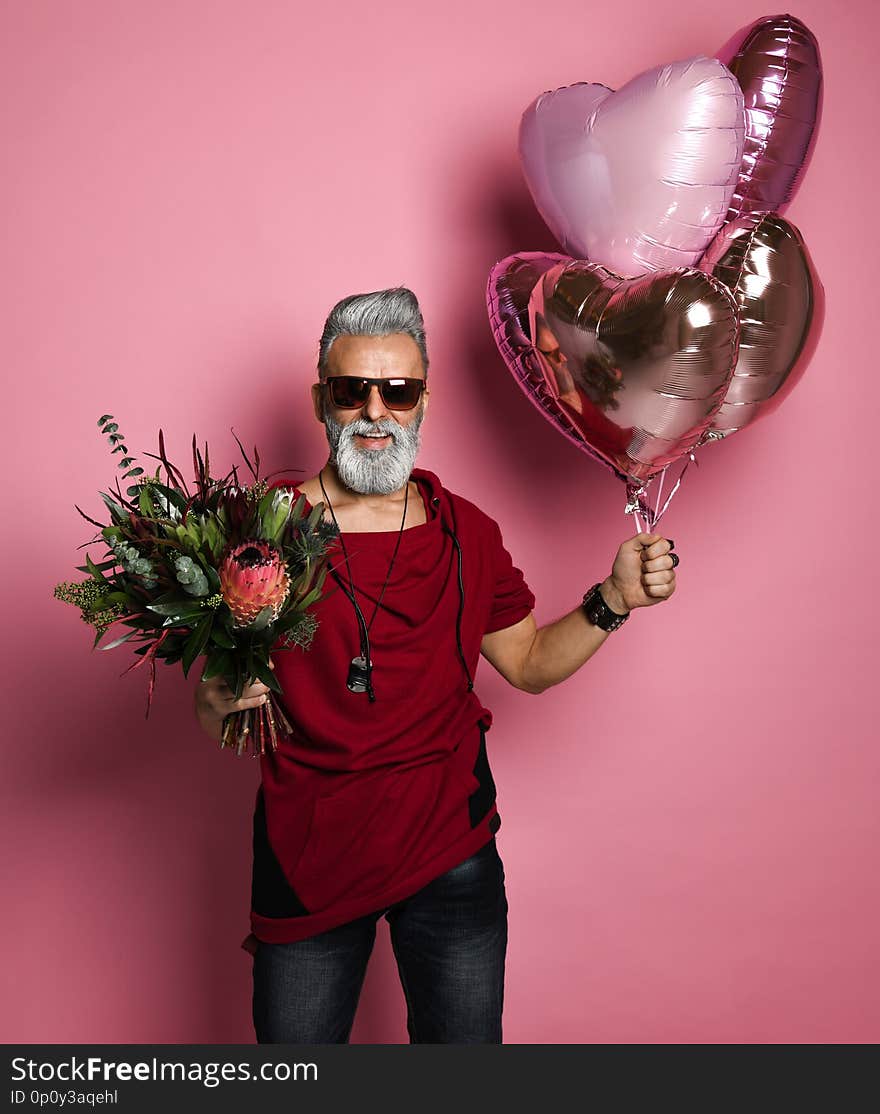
(382, 802)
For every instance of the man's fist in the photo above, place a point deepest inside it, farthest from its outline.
(214, 701)
(642, 574)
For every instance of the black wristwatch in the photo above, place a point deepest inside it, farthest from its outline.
(599, 613)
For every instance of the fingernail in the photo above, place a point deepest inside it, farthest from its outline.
(671, 543)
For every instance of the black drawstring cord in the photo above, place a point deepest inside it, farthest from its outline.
(460, 613)
(457, 545)
(362, 630)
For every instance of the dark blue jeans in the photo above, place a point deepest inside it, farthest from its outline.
(450, 943)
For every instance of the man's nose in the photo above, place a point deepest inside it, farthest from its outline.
(374, 407)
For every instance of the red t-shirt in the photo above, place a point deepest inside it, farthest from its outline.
(369, 801)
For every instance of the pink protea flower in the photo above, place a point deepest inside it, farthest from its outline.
(253, 576)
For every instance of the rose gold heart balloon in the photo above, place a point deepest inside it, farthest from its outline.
(777, 64)
(763, 260)
(630, 370)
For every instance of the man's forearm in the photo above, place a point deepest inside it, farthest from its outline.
(561, 648)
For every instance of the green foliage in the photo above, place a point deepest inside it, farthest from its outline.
(264, 673)
(196, 642)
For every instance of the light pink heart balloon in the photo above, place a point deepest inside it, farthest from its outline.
(639, 179)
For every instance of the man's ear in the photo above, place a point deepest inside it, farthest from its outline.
(318, 401)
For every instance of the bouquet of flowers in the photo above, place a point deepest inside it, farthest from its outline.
(227, 571)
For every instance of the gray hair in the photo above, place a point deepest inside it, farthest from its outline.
(378, 313)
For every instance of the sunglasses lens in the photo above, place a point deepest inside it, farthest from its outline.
(401, 394)
(347, 391)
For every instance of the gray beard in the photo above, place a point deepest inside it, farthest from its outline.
(373, 471)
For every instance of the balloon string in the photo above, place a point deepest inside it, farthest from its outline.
(637, 505)
(677, 484)
(660, 487)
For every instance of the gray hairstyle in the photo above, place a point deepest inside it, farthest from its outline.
(377, 314)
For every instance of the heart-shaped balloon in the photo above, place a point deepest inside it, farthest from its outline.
(639, 179)
(763, 260)
(777, 64)
(630, 370)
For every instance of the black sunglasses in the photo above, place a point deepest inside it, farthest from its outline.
(349, 392)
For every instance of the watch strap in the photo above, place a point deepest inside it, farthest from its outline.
(598, 611)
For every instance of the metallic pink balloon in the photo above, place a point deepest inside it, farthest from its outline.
(630, 370)
(639, 179)
(777, 64)
(763, 260)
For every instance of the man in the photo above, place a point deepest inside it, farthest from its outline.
(382, 801)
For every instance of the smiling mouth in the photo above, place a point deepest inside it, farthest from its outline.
(372, 441)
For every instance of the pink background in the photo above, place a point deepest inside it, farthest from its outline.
(690, 822)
